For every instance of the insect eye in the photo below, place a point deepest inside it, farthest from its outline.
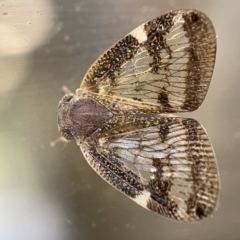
(67, 134)
(67, 97)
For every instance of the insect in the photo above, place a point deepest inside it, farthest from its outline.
(120, 116)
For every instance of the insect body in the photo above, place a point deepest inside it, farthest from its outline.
(118, 116)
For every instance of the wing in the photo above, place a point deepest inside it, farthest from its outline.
(168, 167)
(166, 62)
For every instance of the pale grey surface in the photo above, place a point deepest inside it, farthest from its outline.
(51, 193)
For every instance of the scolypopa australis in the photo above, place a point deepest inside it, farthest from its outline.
(119, 116)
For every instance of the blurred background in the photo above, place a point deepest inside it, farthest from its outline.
(51, 193)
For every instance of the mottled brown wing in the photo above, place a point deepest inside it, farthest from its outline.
(168, 167)
(167, 62)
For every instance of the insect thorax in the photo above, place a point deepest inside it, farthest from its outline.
(80, 116)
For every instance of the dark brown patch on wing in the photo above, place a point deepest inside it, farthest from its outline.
(156, 42)
(109, 64)
(159, 189)
(163, 99)
(204, 171)
(164, 131)
(168, 210)
(202, 57)
(114, 172)
(158, 26)
(194, 17)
